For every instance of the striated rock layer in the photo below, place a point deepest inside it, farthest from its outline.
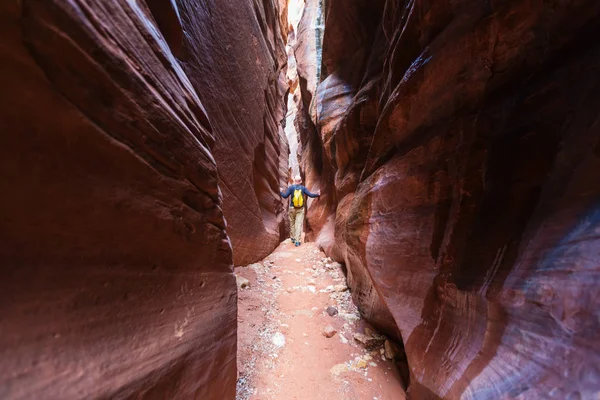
(116, 265)
(465, 145)
(234, 55)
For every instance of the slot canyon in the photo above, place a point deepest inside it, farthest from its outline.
(456, 147)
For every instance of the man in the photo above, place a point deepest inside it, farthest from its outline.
(296, 211)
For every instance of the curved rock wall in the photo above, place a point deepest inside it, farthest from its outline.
(128, 126)
(237, 66)
(464, 139)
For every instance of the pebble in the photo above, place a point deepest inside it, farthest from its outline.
(391, 350)
(278, 339)
(329, 331)
(340, 288)
(242, 282)
(332, 311)
(350, 317)
(339, 369)
(369, 342)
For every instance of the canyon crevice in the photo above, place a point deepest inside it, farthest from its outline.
(456, 145)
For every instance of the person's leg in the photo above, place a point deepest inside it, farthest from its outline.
(292, 218)
(299, 223)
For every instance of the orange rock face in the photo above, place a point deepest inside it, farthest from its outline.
(128, 127)
(465, 148)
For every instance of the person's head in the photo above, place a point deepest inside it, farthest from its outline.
(297, 179)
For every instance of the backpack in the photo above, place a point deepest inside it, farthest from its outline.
(298, 199)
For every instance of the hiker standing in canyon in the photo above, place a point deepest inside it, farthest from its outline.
(296, 211)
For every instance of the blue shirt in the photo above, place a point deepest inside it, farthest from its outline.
(291, 189)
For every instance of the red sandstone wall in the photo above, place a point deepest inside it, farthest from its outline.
(464, 140)
(126, 132)
(235, 57)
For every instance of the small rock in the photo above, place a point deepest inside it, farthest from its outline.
(332, 311)
(289, 290)
(391, 350)
(329, 331)
(312, 289)
(350, 317)
(369, 342)
(344, 340)
(339, 369)
(298, 260)
(340, 288)
(278, 339)
(361, 363)
(372, 364)
(333, 266)
(242, 282)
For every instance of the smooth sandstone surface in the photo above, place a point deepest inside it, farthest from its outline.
(465, 148)
(132, 131)
(234, 55)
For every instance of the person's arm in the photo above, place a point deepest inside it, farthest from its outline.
(309, 194)
(287, 193)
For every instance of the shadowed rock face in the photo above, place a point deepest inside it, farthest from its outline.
(465, 146)
(116, 268)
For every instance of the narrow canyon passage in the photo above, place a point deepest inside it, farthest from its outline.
(300, 336)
